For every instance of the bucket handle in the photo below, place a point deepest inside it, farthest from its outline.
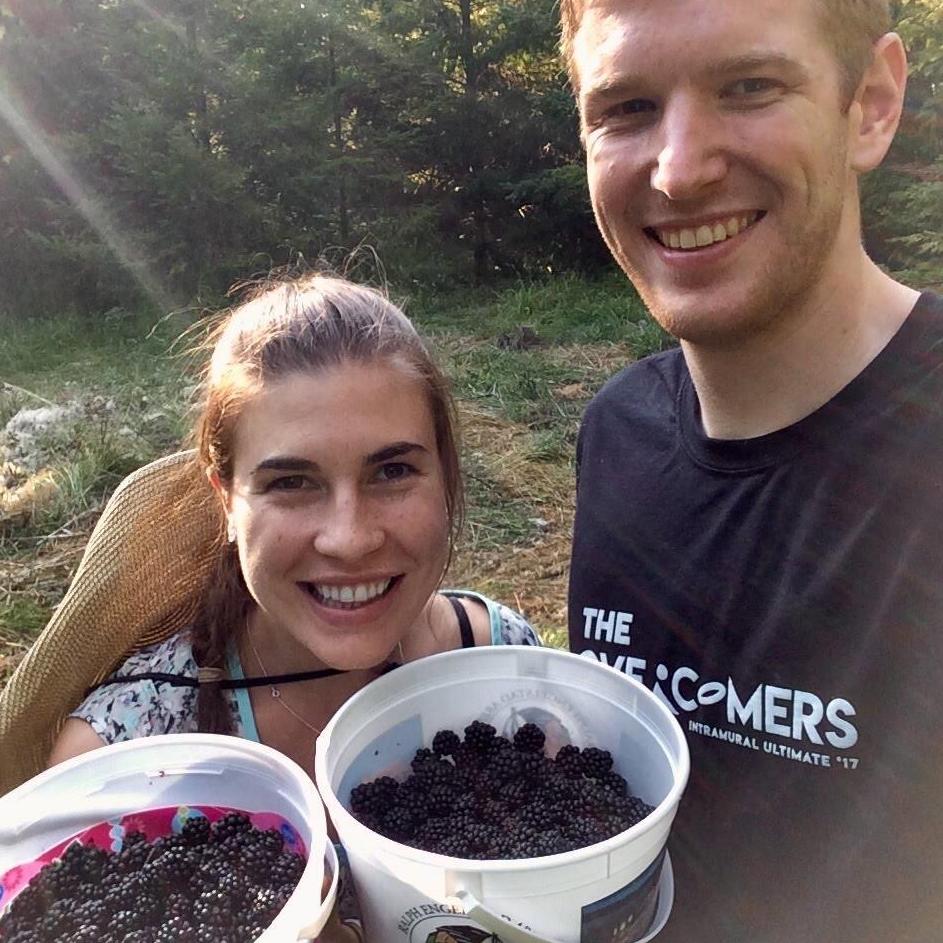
(311, 931)
(512, 933)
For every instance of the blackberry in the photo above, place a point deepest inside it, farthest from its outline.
(446, 742)
(173, 929)
(134, 852)
(264, 900)
(432, 769)
(123, 921)
(550, 842)
(479, 736)
(529, 739)
(533, 766)
(85, 933)
(286, 869)
(211, 908)
(258, 857)
(467, 759)
(596, 763)
(431, 832)
(614, 783)
(399, 823)
(231, 824)
(420, 758)
(196, 830)
(62, 880)
(440, 799)
(638, 809)
(568, 761)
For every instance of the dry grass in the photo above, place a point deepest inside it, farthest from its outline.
(531, 577)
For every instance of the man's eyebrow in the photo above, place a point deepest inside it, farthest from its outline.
(395, 450)
(284, 463)
(758, 61)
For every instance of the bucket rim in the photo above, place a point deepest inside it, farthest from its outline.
(157, 742)
(665, 809)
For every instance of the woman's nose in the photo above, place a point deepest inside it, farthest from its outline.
(348, 529)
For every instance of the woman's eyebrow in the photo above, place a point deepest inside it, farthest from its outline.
(395, 450)
(285, 463)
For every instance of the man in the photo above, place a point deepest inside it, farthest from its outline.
(760, 512)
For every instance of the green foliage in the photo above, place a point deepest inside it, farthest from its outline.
(903, 200)
(560, 310)
(158, 152)
(154, 153)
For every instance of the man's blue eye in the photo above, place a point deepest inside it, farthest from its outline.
(635, 106)
(753, 86)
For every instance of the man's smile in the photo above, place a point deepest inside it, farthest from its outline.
(703, 233)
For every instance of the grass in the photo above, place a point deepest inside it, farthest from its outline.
(562, 310)
(520, 410)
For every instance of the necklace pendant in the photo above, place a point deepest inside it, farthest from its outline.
(276, 693)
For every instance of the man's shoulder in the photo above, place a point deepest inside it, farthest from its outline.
(652, 381)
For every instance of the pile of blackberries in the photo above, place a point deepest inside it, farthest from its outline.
(489, 797)
(209, 884)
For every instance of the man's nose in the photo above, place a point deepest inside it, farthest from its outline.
(348, 528)
(691, 155)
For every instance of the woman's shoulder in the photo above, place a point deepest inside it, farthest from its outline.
(508, 626)
(133, 701)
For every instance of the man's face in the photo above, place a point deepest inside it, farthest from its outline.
(717, 152)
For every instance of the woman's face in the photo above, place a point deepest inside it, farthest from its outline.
(339, 508)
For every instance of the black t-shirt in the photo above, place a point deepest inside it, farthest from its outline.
(784, 595)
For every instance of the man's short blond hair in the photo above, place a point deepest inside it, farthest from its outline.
(852, 28)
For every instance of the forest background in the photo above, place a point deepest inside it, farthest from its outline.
(155, 152)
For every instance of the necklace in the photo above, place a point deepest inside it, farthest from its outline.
(276, 694)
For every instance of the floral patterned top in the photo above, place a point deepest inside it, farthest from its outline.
(143, 708)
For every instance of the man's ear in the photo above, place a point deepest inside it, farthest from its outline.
(878, 103)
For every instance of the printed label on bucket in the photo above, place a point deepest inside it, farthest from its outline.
(437, 923)
(536, 703)
(626, 915)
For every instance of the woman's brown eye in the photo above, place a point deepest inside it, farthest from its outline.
(395, 471)
(286, 483)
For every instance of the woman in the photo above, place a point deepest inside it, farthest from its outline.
(327, 434)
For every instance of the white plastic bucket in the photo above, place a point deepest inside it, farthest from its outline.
(176, 770)
(619, 890)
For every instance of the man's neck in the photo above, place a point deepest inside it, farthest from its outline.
(773, 380)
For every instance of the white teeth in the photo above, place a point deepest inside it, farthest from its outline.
(362, 592)
(705, 235)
